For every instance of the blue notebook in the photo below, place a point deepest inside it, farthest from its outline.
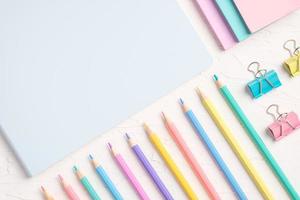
(234, 19)
(72, 69)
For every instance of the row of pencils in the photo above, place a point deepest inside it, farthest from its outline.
(189, 156)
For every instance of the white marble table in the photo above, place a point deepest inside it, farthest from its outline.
(264, 46)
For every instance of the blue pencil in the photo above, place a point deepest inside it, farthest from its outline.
(105, 179)
(213, 151)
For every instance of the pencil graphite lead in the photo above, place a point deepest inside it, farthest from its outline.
(215, 77)
(109, 145)
(184, 107)
(60, 178)
(75, 168)
(164, 117)
(218, 83)
(127, 136)
(91, 157)
(181, 101)
(43, 189)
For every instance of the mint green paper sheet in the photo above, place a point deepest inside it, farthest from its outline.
(234, 19)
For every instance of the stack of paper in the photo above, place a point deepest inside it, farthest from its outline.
(234, 20)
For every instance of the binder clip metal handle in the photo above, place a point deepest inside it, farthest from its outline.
(276, 115)
(294, 50)
(254, 68)
(284, 123)
(264, 81)
(292, 64)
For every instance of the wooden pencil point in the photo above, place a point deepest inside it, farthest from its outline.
(200, 93)
(112, 150)
(184, 107)
(46, 194)
(218, 83)
(75, 168)
(91, 157)
(147, 128)
(129, 140)
(62, 181)
(165, 117)
(77, 172)
(181, 101)
(215, 77)
(127, 136)
(93, 161)
(109, 145)
(60, 178)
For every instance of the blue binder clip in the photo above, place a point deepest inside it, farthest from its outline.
(264, 81)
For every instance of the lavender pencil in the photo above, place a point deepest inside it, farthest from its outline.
(148, 167)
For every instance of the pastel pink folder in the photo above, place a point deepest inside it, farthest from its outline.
(260, 13)
(284, 126)
(217, 23)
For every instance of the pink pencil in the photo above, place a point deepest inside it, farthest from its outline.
(129, 174)
(68, 189)
(173, 131)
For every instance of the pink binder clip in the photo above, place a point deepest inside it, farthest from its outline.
(284, 123)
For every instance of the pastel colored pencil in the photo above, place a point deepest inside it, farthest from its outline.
(252, 133)
(71, 194)
(213, 151)
(46, 194)
(129, 174)
(170, 163)
(105, 179)
(149, 168)
(190, 158)
(236, 148)
(86, 184)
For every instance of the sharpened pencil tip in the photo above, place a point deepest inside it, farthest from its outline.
(112, 150)
(127, 136)
(200, 93)
(184, 107)
(215, 77)
(163, 116)
(181, 101)
(146, 128)
(218, 83)
(60, 178)
(91, 157)
(109, 145)
(75, 168)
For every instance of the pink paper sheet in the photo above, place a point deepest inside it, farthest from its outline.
(260, 13)
(217, 23)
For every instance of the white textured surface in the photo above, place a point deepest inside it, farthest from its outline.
(264, 46)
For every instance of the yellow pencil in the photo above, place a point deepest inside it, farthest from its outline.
(170, 163)
(46, 194)
(227, 134)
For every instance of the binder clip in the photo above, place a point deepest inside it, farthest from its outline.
(284, 123)
(292, 64)
(264, 80)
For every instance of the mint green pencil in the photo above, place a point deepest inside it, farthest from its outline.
(252, 133)
(86, 184)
